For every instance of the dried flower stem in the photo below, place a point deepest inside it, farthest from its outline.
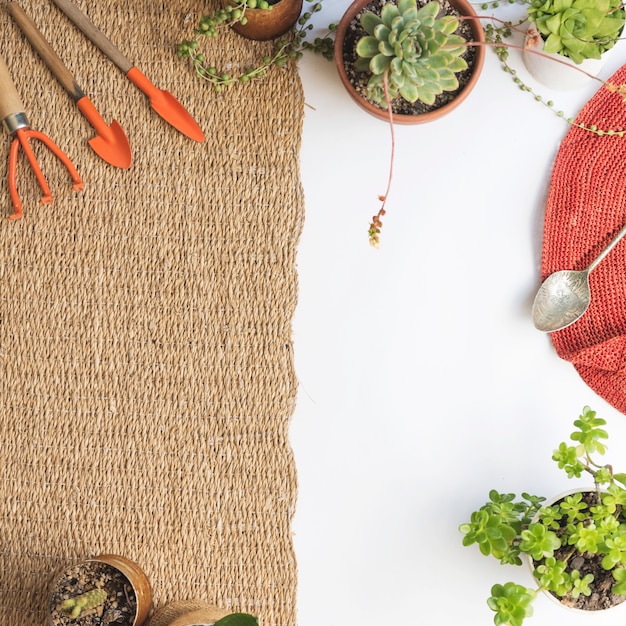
(376, 225)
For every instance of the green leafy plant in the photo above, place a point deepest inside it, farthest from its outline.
(284, 49)
(578, 29)
(589, 524)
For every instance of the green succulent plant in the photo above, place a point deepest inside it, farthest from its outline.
(578, 29)
(590, 524)
(410, 52)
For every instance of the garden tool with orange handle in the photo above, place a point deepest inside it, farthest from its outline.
(163, 102)
(110, 142)
(12, 112)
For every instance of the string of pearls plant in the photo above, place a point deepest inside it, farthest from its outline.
(497, 36)
(285, 49)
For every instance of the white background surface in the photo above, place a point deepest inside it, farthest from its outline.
(423, 382)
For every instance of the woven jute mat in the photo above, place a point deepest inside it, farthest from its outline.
(146, 362)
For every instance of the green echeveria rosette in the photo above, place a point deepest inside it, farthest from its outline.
(416, 52)
(578, 29)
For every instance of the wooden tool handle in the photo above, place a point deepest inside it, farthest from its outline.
(45, 51)
(10, 101)
(94, 34)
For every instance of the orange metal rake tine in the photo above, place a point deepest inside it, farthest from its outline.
(22, 136)
(12, 113)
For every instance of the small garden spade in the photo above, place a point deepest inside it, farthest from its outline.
(110, 142)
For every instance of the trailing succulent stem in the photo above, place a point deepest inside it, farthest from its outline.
(377, 224)
(506, 528)
(285, 49)
(75, 607)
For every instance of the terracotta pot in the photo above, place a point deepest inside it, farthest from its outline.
(133, 574)
(464, 8)
(187, 613)
(264, 24)
(555, 70)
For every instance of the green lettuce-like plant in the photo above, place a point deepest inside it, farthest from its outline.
(590, 524)
(410, 52)
(578, 29)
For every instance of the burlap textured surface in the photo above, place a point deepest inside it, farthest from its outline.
(186, 613)
(586, 208)
(146, 363)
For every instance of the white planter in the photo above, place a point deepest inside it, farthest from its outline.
(556, 71)
(553, 598)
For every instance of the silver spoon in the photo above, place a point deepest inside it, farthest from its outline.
(564, 296)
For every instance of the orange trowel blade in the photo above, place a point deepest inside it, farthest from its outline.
(110, 142)
(167, 106)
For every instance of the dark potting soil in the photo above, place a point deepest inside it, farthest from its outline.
(399, 106)
(601, 597)
(117, 610)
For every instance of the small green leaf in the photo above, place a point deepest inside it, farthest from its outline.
(370, 21)
(410, 93)
(238, 619)
(389, 13)
(379, 64)
(367, 47)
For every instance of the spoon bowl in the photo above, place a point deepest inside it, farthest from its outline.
(565, 295)
(562, 299)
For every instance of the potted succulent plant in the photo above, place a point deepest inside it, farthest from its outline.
(411, 58)
(255, 19)
(575, 545)
(408, 63)
(107, 589)
(576, 32)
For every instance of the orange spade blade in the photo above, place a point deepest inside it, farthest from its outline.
(110, 142)
(167, 106)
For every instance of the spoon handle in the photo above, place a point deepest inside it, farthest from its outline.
(606, 250)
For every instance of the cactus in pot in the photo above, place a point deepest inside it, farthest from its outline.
(74, 607)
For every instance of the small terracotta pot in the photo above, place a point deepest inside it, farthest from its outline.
(131, 572)
(264, 24)
(478, 34)
(187, 613)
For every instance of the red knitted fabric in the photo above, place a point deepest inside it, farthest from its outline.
(586, 208)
